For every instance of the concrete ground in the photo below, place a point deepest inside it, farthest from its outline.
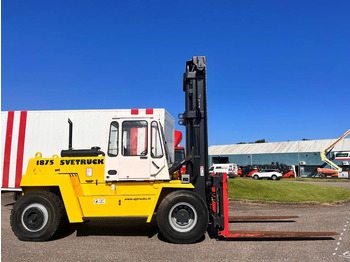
(107, 241)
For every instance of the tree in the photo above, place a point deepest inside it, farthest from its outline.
(257, 141)
(260, 141)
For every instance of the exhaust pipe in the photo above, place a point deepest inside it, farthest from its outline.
(94, 151)
(70, 147)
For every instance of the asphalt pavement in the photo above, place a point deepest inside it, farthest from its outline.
(138, 241)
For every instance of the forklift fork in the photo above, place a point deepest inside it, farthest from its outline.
(221, 219)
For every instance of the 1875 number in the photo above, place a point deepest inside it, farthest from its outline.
(44, 162)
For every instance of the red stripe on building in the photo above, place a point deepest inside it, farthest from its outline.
(7, 152)
(20, 148)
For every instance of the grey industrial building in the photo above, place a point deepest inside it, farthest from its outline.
(304, 155)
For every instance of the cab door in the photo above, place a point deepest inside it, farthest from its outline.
(128, 151)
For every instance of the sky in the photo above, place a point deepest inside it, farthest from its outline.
(276, 70)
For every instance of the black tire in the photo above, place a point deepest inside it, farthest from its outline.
(256, 177)
(17, 195)
(37, 215)
(182, 217)
(274, 177)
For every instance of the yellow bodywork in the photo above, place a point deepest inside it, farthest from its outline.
(86, 194)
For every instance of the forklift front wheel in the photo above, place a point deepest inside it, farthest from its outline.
(182, 217)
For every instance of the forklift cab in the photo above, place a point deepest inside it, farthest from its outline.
(136, 150)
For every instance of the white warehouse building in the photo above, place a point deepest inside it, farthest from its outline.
(304, 155)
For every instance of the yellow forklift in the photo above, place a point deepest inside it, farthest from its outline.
(135, 179)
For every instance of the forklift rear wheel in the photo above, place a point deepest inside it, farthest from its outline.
(182, 217)
(36, 216)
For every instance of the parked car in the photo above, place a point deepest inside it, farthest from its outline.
(289, 174)
(230, 169)
(253, 172)
(273, 174)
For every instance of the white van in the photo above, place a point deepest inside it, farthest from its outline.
(230, 169)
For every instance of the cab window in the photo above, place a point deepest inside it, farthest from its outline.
(179, 155)
(156, 145)
(134, 138)
(113, 139)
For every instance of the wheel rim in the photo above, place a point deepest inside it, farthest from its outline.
(34, 217)
(182, 217)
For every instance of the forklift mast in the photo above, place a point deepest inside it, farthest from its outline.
(213, 189)
(195, 120)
